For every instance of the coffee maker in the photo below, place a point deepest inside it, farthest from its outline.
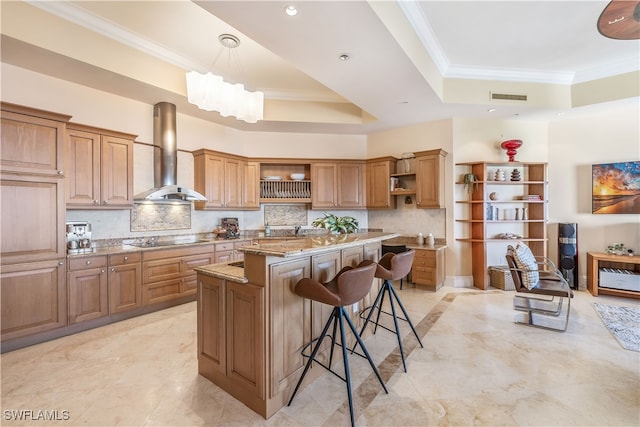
(78, 237)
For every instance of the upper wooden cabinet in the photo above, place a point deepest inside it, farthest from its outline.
(32, 141)
(100, 168)
(338, 185)
(429, 179)
(378, 172)
(224, 180)
(251, 187)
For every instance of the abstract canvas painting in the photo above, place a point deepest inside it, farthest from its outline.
(616, 188)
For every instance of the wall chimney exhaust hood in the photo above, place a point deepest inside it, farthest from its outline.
(165, 165)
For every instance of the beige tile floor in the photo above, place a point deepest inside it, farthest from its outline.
(476, 368)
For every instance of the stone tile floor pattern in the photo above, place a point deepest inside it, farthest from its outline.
(476, 368)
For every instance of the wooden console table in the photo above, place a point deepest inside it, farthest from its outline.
(598, 260)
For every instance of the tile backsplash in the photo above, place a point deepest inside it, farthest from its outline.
(291, 215)
(155, 217)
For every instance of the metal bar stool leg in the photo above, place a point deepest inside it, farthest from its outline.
(406, 315)
(314, 353)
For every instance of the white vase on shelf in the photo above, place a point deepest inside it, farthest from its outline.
(500, 176)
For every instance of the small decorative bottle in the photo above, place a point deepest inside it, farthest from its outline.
(267, 230)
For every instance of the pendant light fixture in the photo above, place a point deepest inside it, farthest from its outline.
(211, 93)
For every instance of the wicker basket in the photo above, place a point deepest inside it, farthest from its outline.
(500, 277)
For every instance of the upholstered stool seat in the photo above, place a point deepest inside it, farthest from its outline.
(350, 285)
(392, 266)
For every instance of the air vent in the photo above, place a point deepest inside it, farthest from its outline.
(508, 97)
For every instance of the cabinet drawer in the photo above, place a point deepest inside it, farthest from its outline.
(425, 259)
(87, 262)
(159, 254)
(423, 275)
(128, 258)
(161, 291)
(227, 246)
(194, 261)
(162, 269)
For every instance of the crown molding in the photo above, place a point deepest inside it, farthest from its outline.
(82, 17)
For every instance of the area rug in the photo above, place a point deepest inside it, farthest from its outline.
(623, 323)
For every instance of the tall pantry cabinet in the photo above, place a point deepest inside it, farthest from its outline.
(32, 248)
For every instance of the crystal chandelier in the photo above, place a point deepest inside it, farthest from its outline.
(211, 93)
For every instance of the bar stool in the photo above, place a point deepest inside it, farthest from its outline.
(394, 249)
(391, 267)
(347, 287)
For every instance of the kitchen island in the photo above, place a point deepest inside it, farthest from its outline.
(251, 324)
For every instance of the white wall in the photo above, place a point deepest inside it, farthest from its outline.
(610, 133)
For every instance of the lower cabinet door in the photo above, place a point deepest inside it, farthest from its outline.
(290, 328)
(245, 336)
(125, 287)
(87, 295)
(33, 298)
(212, 355)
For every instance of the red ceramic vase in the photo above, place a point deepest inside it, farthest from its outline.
(511, 146)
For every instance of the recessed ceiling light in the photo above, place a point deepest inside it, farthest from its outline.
(344, 57)
(291, 10)
(491, 110)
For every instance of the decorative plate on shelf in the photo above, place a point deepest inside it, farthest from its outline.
(272, 178)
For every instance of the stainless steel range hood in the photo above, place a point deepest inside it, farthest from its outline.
(165, 156)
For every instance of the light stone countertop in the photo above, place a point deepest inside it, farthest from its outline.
(315, 244)
(291, 247)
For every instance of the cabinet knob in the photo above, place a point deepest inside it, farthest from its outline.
(102, 271)
(113, 269)
(95, 202)
(126, 258)
(60, 172)
(105, 202)
(61, 263)
(88, 262)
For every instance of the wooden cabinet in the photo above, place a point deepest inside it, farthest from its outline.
(250, 335)
(287, 337)
(501, 213)
(598, 260)
(88, 289)
(100, 168)
(212, 354)
(221, 179)
(245, 334)
(323, 190)
(168, 273)
(228, 251)
(251, 187)
(32, 218)
(33, 298)
(430, 179)
(125, 282)
(428, 268)
(32, 249)
(338, 185)
(231, 332)
(32, 141)
(378, 184)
